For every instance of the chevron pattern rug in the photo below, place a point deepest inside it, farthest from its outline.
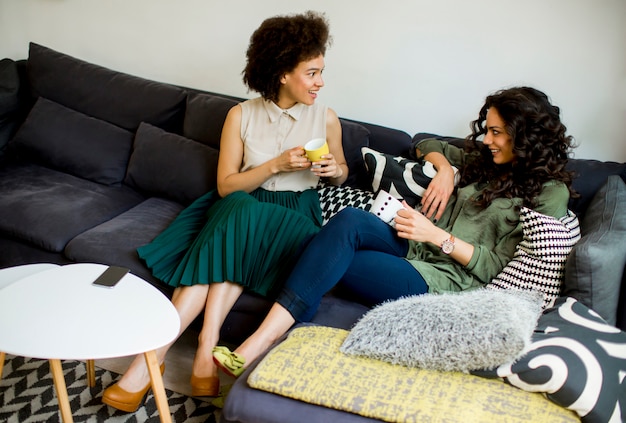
(27, 395)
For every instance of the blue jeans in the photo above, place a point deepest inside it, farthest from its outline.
(359, 251)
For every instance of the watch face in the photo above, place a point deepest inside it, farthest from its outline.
(447, 246)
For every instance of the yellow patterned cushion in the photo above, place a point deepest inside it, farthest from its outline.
(308, 366)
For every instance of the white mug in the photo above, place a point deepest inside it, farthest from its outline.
(385, 206)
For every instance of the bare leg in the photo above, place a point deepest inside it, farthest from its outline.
(219, 302)
(276, 324)
(189, 301)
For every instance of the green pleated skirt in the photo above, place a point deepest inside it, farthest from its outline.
(249, 239)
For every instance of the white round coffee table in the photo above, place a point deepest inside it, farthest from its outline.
(57, 314)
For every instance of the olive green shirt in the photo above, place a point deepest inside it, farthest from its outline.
(494, 231)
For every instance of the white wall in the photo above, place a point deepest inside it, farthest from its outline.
(416, 65)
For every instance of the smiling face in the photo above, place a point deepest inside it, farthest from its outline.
(302, 84)
(497, 139)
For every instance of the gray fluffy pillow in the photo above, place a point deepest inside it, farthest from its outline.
(479, 329)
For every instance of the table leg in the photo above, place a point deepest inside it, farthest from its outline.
(2, 357)
(157, 386)
(59, 385)
(91, 373)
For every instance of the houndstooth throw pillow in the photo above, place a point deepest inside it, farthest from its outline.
(539, 260)
(333, 199)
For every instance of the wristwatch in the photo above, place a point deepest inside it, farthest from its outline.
(447, 246)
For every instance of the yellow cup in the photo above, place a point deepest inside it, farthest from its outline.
(315, 149)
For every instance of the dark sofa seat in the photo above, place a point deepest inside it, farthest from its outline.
(139, 225)
(47, 208)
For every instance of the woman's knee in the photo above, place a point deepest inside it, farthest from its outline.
(348, 217)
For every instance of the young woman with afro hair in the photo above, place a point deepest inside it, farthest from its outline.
(244, 235)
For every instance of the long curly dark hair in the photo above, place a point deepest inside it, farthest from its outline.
(540, 145)
(279, 45)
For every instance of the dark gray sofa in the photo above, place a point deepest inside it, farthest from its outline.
(96, 162)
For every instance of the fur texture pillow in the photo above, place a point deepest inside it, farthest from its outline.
(455, 331)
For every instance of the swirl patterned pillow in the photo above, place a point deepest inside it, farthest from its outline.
(575, 358)
(539, 260)
(402, 178)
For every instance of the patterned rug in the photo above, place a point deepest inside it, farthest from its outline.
(27, 395)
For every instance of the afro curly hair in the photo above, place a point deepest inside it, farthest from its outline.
(279, 45)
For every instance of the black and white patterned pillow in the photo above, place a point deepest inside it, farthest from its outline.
(539, 260)
(333, 199)
(576, 359)
(404, 179)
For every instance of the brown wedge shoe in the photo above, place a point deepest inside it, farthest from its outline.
(123, 400)
(205, 386)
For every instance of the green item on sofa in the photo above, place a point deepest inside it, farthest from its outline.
(309, 367)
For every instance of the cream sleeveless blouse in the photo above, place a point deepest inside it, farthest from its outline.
(267, 131)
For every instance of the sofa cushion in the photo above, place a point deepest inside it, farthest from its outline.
(589, 177)
(577, 360)
(69, 141)
(354, 137)
(594, 269)
(391, 141)
(47, 208)
(140, 225)
(9, 87)
(204, 117)
(404, 179)
(453, 331)
(116, 97)
(9, 99)
(248, 311)
(171, 166)
(539, 259)
(309, 367)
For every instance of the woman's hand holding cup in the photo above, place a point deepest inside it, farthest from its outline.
(323, 162)
(316, 149)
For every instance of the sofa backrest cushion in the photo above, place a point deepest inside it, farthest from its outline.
(204, 117)
(354, 136)
(388, 140)
(115, 97)
(595, 267)
(9, 99)
(589, 177)
(60, 138)
(171, 166)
